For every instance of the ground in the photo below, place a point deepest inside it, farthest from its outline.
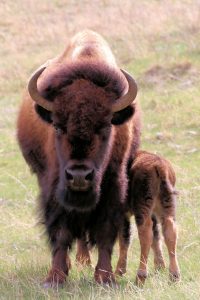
(158, 42)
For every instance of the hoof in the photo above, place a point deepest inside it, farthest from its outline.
(159, 265)
(140, 278)
(104, 278)
(175, 276)
(55, 279)
(51, 285)
(114, 285)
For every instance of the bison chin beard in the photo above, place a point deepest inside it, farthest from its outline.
(77, 201)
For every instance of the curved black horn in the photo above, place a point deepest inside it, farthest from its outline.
(33, 91)
(129, 97)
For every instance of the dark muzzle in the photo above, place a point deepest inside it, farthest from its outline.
(79, 179)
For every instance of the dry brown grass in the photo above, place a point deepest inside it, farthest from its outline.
(29, 25)
(184, 74)
(33, 31)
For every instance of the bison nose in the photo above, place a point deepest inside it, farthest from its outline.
(79, 180)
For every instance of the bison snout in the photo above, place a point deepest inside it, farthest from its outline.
(78, 179)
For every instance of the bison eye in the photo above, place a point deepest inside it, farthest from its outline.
(59, 130)
(97, 130)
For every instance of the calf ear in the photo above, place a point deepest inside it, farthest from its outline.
(123, 115)
(44, 114)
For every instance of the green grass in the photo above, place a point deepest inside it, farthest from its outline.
(154, 40)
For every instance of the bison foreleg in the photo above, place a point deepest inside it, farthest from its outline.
(61, 242)
(105, 242)
(59, 271)
(103, 271)
(145, 234)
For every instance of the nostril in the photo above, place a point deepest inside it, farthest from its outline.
(69, 176)
(90, 176)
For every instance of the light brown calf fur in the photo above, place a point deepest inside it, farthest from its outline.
(152, 198)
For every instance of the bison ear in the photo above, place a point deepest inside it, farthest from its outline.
(123, 115)
(44, 114)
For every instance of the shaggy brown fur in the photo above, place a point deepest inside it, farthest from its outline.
(151, 199)
(81, 134)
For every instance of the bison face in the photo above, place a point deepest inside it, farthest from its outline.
(83, 139)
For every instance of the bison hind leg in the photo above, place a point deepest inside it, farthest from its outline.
(168, 200)
(156, 246)
(83, 255)
(124, 242)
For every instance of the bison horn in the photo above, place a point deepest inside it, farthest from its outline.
(33, 91)
(129, 97)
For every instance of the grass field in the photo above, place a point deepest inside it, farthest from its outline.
(158, 41)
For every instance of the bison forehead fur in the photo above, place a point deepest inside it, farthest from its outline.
(98, 73)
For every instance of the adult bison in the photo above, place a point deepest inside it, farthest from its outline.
(78, 129)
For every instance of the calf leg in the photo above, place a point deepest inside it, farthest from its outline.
(157, 246)
(83, 255)
(170, 235)
(145, 236)
(167, 197)
(124, 241)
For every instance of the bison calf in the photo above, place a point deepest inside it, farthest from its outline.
(152, 199)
